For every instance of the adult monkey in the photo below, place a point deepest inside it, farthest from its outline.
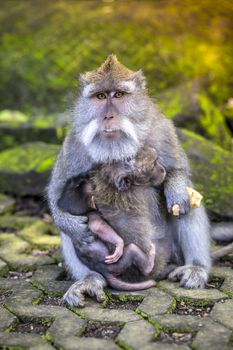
(113, 118)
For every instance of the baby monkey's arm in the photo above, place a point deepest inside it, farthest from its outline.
(106, 233)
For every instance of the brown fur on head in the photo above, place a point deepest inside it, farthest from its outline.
(115, 185)
(111, 117)
(110, 69)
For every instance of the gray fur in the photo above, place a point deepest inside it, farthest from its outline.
(189, 234)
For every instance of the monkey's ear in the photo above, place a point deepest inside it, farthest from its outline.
(139, 78)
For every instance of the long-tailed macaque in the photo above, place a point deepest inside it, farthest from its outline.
(113, 118)
(115, 190)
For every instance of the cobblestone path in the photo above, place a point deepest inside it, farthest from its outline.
(33, 316)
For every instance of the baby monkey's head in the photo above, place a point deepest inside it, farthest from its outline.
(142, 170)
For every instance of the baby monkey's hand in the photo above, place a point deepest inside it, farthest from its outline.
(110, 259)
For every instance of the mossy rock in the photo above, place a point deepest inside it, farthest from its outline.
(24, 170)
(212, 169)
(7, 204)
(16, 128)
(192, 109)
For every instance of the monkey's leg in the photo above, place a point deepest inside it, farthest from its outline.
(106, 233)
(191, 234)
(89, 282)
(134, 255)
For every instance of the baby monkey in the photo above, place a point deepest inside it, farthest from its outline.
(114, 192)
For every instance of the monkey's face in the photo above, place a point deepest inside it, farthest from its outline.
(111, 117)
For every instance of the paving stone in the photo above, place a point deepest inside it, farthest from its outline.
(178, 322)
(19, 340)
(45, 279)
(6, 319)
(196, 295)
(12, 252)
(74, 343)
(158, 303)
(66, 326)
(136, 334)
(22, 292)
(41, 234)
(42, 347)
(213, 336)
(16, 222)
(7, 204)
(221, 272)
(223, 313)
(227, 286)
(169, 346)
(29, 312)
(109, 315)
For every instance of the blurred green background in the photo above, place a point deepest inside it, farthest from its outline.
(46, 44)
(185, 48)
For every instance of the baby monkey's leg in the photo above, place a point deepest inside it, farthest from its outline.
(106, 233)
(133, 255)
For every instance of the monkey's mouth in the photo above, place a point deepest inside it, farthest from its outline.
(111, 132)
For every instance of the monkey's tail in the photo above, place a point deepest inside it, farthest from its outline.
(222, 252)
(116, 283)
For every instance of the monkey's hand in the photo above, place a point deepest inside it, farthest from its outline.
(180, 199)
(92, 285)
(110, 259)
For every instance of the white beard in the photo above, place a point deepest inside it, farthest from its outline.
(103, 150)
(106, 151)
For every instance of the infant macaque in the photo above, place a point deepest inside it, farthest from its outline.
(117, 193)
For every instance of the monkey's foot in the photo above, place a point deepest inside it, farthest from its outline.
(190, 276)
(92, 285)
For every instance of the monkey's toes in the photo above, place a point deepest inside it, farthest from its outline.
(92, 285)
(190, 276)
(74, 295)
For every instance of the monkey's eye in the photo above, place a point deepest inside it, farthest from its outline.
(101, 96)
(118, 94)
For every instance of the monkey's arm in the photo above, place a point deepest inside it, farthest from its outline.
(71, 162)
(190, 231)
(173, 158)
(106, 233)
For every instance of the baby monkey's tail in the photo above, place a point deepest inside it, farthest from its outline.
(116, 283)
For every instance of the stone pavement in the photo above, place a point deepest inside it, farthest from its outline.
(33, 316)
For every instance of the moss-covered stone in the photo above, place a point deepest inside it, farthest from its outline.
(13, 253)
(132, 334)
(41, 235)
(7, 204)
(15, 222)
(192, 109)
(195, 296)
(25, 169)
(212, 169)
(17, 128)
(223, 313)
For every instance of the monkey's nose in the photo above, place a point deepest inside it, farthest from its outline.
(108, 117)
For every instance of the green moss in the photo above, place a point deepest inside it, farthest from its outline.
(36, 156)
(14, 118)
(213, 122)
(122, 345)
(195, 302)
(212, 169)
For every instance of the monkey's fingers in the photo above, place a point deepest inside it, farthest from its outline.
(111, 259)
